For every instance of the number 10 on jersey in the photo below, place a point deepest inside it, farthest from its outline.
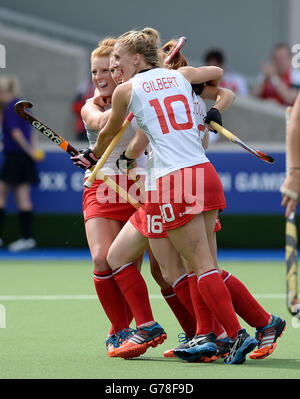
(167, 103)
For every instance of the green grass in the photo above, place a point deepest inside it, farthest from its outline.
(65, 338)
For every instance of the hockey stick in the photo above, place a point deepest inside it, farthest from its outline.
(66, 146)
(291, 248)
(88, 183)
(20, 109)
(230, 136)
(180, 43)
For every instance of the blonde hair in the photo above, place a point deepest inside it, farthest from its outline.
(104, 49)
(10, 83)
(145, 42)
(178, 60)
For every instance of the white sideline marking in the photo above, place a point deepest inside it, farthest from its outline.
(93, 297)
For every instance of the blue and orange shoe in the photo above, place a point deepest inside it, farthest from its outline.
(198, 347)
(142, 339)
(110, 345)
(267, 337)
(242, 345)
(116, 340)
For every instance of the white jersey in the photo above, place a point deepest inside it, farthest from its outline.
(162, 104)
(199, 109)
(110, 167)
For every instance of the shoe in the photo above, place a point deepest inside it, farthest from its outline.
(183, 339)
(23, 244)
(224, 345)
(141, 340)
(267, 337)
(115, 340)
(110, 345)
(242, 345)
(198, 347)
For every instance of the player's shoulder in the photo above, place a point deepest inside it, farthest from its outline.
(123, 88)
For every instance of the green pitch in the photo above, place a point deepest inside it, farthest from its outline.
(55, 327)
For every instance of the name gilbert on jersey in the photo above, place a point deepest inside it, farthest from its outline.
(160, 84)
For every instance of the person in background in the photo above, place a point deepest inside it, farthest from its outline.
(79, 101)
(278, 81)
(18, 171)
(231, 79)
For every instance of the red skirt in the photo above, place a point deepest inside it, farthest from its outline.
(102, 201)
(186, 192)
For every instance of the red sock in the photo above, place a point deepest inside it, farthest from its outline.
(111, 300)
(244, 302)
(112, 330)
(185, 319)
(217, 298)
(128, 312)
(182, 291)
(206, 321)
(134, 289)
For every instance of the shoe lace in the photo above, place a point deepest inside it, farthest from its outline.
(123, 335)
(183, 338)
(111, 339)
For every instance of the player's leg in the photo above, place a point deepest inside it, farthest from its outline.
(100, 233)
(173, 271)
(24, 204)
(268, 327)
(129, 244)
(192, 243)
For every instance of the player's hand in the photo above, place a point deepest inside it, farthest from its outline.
(290, 190)
(125, 164)
(85, 159)
(213, 115)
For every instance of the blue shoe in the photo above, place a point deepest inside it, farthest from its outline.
(110, 345)
(141, 340)
(116, 340)
(124, 335)
(224, 346)
(183, 339)
(243, 344)
(197, 348)
(267, 337)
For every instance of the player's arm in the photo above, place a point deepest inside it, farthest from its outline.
(291, 185)
(120, 101)
(223, 100)
(137, 145)
(294, 136)
(205, 140)
(135, 149)
(92, 114)
(223, 97)
(212, 75)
